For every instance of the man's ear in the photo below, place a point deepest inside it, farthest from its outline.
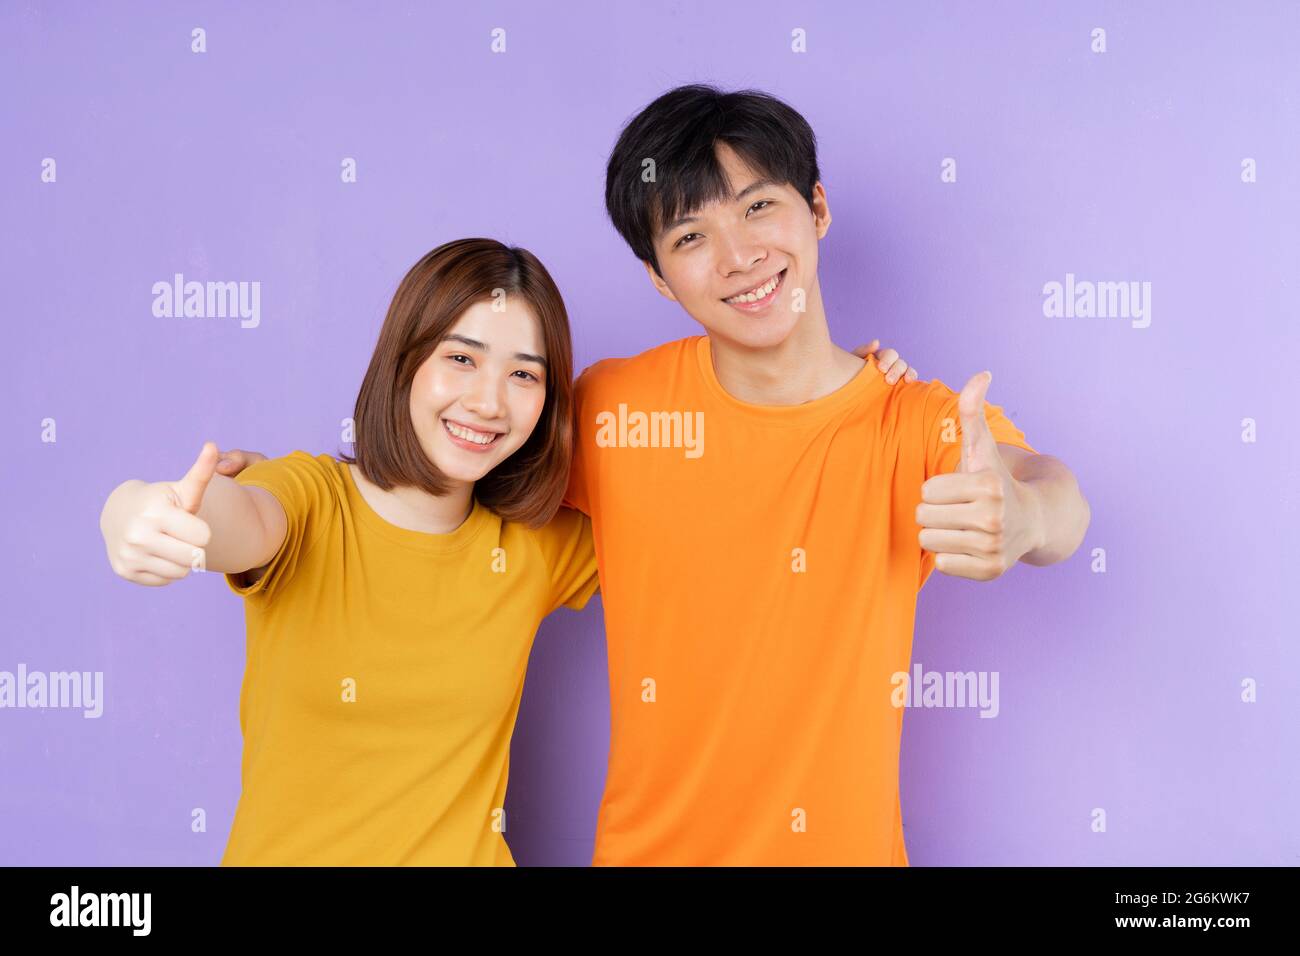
(658, 281)
(821, 211)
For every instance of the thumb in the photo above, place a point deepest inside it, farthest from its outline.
(862, 351)
(979, 450)
(190, 488)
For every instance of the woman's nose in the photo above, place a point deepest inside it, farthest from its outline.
(485, 396)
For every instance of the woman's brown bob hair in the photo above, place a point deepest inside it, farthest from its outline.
(528, 486)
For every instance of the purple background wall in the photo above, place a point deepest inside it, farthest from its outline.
(1118, 690)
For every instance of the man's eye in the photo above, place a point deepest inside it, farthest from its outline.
(684, 238)
(761, 203)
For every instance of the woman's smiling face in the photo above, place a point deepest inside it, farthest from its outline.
(477, 398)
(744, 267)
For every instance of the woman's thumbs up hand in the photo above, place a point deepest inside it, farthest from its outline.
(152, 531)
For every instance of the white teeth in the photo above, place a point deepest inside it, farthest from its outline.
(755, 294)
(478, 438)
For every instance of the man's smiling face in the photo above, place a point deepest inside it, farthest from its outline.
(735, 265)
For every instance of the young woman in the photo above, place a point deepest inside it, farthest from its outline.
(392, 596)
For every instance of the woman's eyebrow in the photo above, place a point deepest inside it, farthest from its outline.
(482, 347)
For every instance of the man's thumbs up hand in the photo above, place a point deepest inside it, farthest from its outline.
(979, 449)
(979, 520)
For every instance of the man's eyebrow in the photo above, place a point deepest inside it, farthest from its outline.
(752, 187)
(482, 347)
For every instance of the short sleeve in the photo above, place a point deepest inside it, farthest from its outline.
(303, 486)
(942, 429)
(578, 495)
(570, 552)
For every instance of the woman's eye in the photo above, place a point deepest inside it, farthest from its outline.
(684, 238)
(760, 204)
(456, 358)
(529, 375)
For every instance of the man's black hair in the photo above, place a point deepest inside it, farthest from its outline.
(679, 131)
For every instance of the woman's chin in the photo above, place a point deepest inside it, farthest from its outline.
(468, 466)
(462, 471)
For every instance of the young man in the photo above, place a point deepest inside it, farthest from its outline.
(766, 509)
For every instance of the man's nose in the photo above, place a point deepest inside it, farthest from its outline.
(738, 254)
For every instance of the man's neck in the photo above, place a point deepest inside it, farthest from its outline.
(803, 368)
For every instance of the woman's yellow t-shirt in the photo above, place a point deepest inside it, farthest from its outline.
(384, 673)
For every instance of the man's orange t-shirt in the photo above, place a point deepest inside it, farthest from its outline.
(759, 567)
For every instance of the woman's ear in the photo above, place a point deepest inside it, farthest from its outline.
(658, 281)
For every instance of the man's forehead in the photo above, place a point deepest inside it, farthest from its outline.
(734, 165)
